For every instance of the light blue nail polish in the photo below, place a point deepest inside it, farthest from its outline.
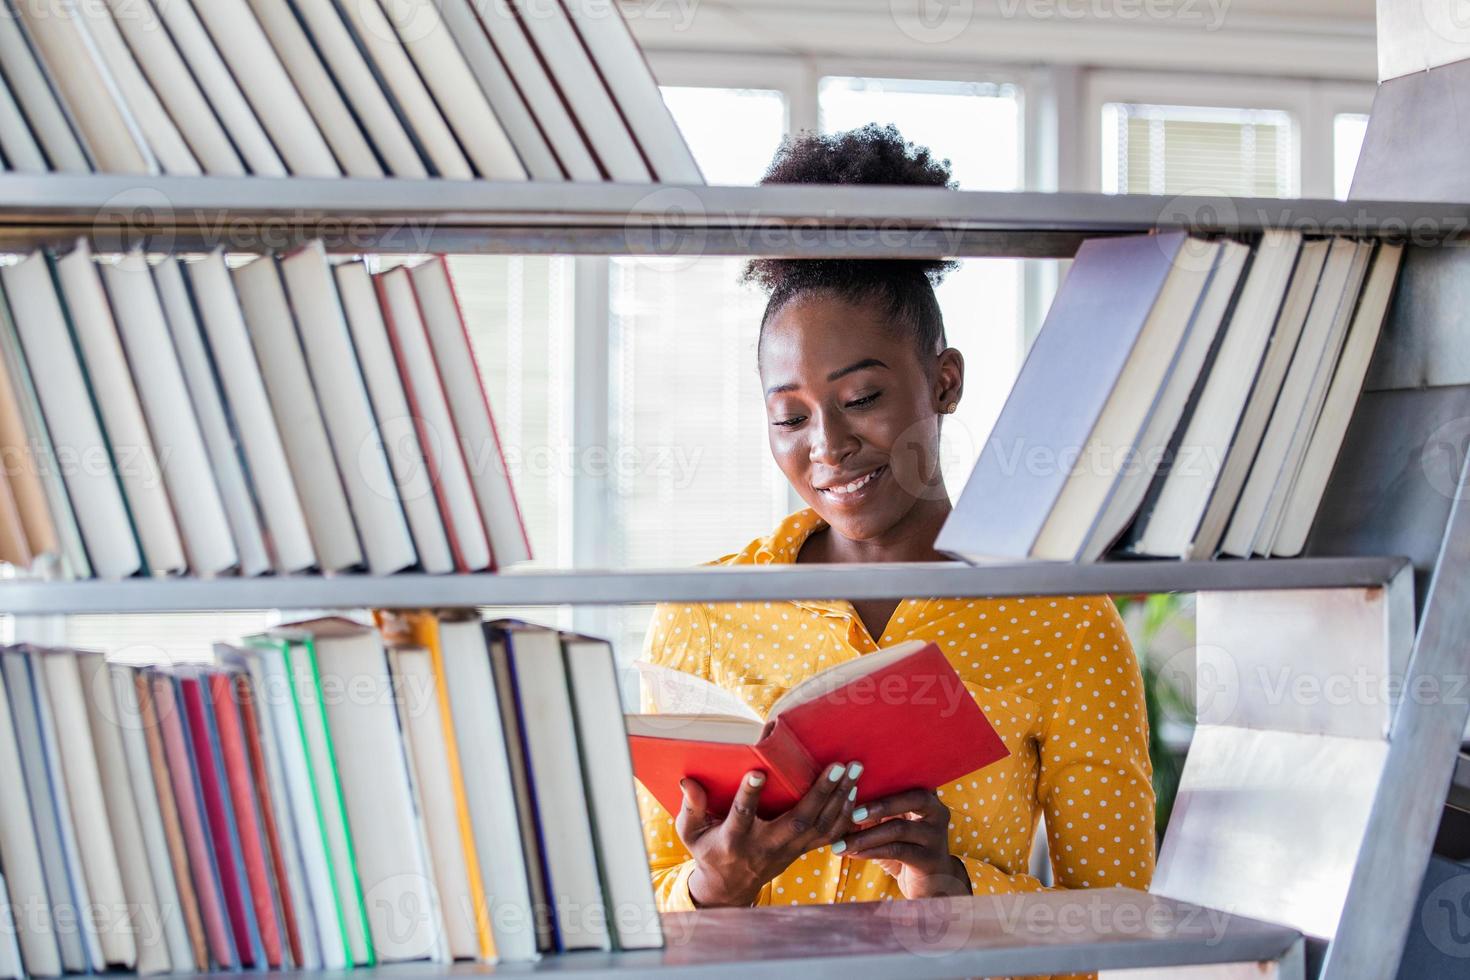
(852, 794)
(860, 814)
(839, 847)
(835, 773)
(855, 770)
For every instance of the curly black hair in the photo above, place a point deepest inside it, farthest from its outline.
(873, 154)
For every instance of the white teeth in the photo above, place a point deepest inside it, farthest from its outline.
(855, 485)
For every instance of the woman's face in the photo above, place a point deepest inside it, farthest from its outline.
(853, 411)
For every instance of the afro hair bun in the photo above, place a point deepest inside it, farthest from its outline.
(872, 154)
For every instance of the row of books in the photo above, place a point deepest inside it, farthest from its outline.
(327, 795)
(499, 89)
(168, 415)
(1186, 398)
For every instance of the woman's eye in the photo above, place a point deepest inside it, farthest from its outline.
(864, 401)
(788, 423)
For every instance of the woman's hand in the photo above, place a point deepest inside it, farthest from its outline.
(908, 835)
(736, 856)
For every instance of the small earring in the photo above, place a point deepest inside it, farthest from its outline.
(951, 408)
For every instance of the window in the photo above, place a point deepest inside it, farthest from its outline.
(1162, 149)
(977, 127)
(1348, 130)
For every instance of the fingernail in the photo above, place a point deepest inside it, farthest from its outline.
(681, 785)
(835, 773)
(756, 779)
(860, 814)
(855, 770)
(839, 847)
(852, 794)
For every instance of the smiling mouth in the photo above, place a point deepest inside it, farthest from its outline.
(847, 489)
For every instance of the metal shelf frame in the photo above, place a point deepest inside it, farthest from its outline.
(553, 587)
(417, 216)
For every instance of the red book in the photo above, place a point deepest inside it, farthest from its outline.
(902, 712)
(247, 817)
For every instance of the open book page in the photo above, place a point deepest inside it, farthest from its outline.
(673, 692)
(821, 684)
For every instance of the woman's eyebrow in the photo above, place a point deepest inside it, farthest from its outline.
(866, 362)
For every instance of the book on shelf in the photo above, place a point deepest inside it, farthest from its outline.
(330, 793)
(903, 711)
(37, 99)
(1185, 398)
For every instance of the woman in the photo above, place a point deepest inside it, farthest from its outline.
(857, 379)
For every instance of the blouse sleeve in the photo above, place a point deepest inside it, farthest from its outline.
(1096, 781)
(679, 637)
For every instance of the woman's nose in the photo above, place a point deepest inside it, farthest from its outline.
(832, 439)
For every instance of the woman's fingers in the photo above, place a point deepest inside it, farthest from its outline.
(901, 851)
(692, 820)
(747, 798)
(834, 820)
(924, 803)
(887, 832)
(799, 823)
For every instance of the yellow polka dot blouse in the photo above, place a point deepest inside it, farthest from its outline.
(1057, 677)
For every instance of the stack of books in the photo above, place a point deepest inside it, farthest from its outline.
(167, 416)
(327, 795)
(459, 89)
(1185, 399)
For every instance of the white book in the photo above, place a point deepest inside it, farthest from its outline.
(50, 525)
(470, 405)
(622, 66)
(162, 137)
(17, 145)
(361, 88)
(1086, 490)
(94, 491)
(207, 408)
(150, 816)
(1337, 407)
(1163, 420)
(1169, 527)
(11, 967)
(375, 788)
(607, 770)
(281, 806)
(489, 790)
(429, 409)
(505, 98)
(1316, 336)
(356, 439)
(272, 327)
(549, 727)
(304, 674)
(218, 86)
(380, 44)
(250, 408)
(86, 88)
(425, 738)
(317, 88)
(24, 886)
(321, 890)
(394, 423)
(122, 415)
(37, 99)
(1263, 395)
(455, 87)
(141, 322)
(36, 738)
(1316, 395)
(175, 87)
(529, 73)
(145, 913)
(84, 793)
(587, 96)
(247, 51)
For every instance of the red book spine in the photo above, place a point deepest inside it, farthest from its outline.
(213, 790)
(250, 720)
(196, 837)
(247, 820)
